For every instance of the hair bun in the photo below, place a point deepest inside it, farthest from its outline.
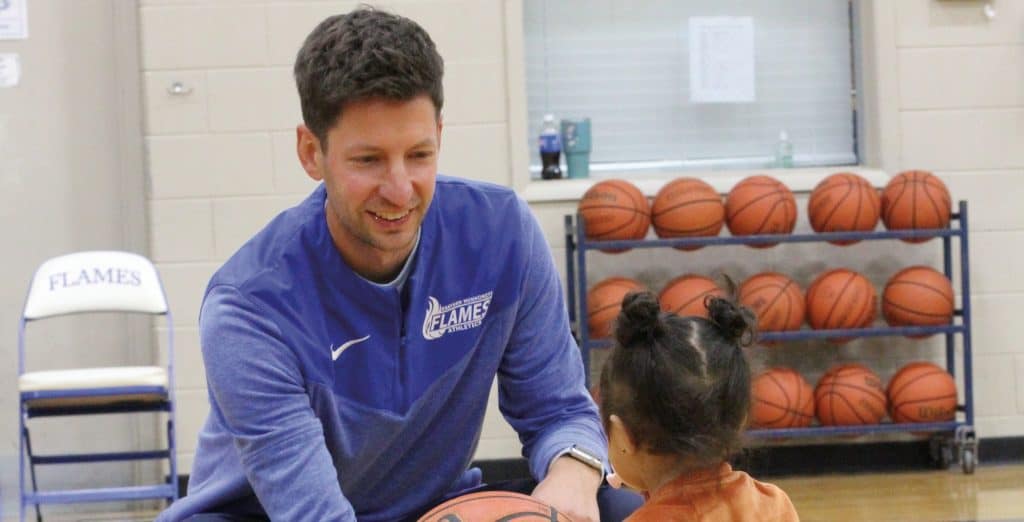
(639, 320)
(736, 323)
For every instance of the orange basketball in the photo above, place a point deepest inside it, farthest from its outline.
(844, 366)
(843, 202)
(840, 298)
(604, 300)
(918, 296)
(615, 209)
(687, 207)
(760, 205)
(849, 395)
(915, 199)
(922, 392)
(775, 299)
(494, 506)
(781, 398)
(685, 294)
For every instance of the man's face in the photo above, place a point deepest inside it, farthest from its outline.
(380, 168)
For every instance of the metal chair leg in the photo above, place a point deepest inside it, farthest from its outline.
(21, 466)
(32, 471)
(172, 461)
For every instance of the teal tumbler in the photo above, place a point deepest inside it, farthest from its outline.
(576, 145)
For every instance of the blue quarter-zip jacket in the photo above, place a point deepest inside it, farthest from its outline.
(332, 398)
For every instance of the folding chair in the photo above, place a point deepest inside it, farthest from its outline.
(85, 282)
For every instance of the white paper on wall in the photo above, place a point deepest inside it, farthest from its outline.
(13, 19)
(10, 70)
(721, 59)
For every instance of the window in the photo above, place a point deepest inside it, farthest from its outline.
(626, 65)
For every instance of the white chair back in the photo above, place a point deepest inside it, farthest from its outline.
(97, 281)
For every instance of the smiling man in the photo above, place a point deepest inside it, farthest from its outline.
(350, 346)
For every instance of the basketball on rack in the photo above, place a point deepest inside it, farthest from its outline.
(843, 202)
(775, 299)
(847, 366)
(494, 506)
(604, 300)
(918, 296)
(687, 207)
(615, 209)
(915, 199)
(781, 398)
(922, 392)
(760, 205)
(849, 395)
(840, 298)
(684, 295)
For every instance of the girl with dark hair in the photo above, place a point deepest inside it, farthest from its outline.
(675, 394)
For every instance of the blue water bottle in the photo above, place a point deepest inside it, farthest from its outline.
(550, 149)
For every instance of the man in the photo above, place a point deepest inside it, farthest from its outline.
(350, 345)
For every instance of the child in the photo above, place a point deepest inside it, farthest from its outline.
(675, 393)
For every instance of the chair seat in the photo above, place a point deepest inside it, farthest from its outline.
(93, 378)
(104, 380)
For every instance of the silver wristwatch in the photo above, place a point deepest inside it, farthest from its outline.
(586, 457)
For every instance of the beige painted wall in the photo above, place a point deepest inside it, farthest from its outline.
(222, 160)
(945, 93)
(71, 178)
(961, 113)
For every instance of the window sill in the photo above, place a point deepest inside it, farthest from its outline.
(798, 180)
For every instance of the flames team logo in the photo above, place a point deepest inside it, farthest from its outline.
(455, 317)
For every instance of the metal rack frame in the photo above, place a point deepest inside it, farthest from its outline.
(963, 438)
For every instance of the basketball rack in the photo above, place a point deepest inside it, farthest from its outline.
(947, 438)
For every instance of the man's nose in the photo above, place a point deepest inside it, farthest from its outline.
(397, 186)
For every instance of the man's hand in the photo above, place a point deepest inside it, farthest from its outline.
(571, 487)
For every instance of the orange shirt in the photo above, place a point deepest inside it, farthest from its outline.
(717, 495)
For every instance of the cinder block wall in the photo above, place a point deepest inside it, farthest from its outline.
(961, 113)
(221, 156)
(221, 163)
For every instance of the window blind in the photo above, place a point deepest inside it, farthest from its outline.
(625, 64)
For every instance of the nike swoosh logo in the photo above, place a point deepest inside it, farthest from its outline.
(336, 352)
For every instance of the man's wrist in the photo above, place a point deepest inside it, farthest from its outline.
(585, 456)
(564, 463)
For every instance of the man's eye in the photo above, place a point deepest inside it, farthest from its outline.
(365, 159)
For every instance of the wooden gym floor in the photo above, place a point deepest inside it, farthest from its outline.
(993, 492)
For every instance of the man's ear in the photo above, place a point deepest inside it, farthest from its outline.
(440, 125)
(311, 157)
(627, 444)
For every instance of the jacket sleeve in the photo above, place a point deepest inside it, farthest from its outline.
(258, 392)
(542, 391)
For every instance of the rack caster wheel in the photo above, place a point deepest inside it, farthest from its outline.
(968, 460)
(967, 446)
(941, 452)
(946, 456)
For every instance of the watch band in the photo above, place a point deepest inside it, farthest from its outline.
(586, 457)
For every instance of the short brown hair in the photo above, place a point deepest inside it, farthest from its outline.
(361, 55)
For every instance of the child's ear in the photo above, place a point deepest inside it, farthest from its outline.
(623, 438)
